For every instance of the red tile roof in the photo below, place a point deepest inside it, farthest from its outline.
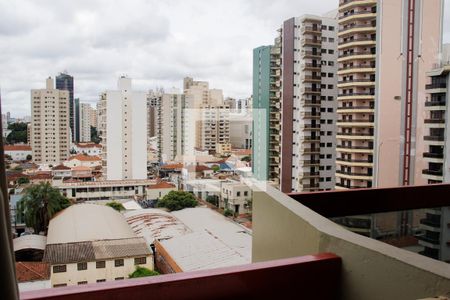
(199, 168)
(81, 168)
(17, 148)
(60, 168)
(88, 145)
(242, 151)
(32, 271)
(172, 166)
(162, 185)
(82, 157)
(40, 176)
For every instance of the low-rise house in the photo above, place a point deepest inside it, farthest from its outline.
(90, 149)
(83, 160)
(236, 196)
(104, 190)
(89, 243)
(61, 172)
(159, 190)
(196, 171)
(32, 276)
(18, 152)
(41, 176)
(82, 173)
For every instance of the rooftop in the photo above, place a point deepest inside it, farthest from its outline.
(88, 145)
(95, 250)
(30, 241)
(17, 148)
(32, 271)
(82, 157)
(162, 185)
(76, 223)
(61, 168)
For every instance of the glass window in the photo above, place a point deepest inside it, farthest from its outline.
(118, 263)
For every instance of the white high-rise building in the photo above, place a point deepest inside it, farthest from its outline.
(50, 124)
(88, 116)
(123, 130)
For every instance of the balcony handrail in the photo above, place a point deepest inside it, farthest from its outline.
(356, 53)
(356, 13)
(357, 94)
(240, 282)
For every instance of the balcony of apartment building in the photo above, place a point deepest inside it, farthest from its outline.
(367, 26)
(356, 81)
(434, 171)
(356, 67)
(311, 40)
(365, 147)
(310, 78)
(354, 172)
(356, 94)
(357, 55)
(356, 120)
(435, 119)
(350, 4)
(354, 160)
(358, 13)
(438, 85)
(310, 115)
(310, 102)
(311, 53)
(356, 106)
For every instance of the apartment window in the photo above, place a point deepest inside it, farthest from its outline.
(330, 75)
(330, 109)
(100, 264)
(118, 262)
(101, 280)
(330, 51)
(331, 40)
(82, 282)
(329, 121)
(331, 63)
(330, 86)
(60, 285)
(245, 193)
(119, 278)
(60, 269)
(140, 260)
(328, 179)
(329, 156)
(330, 28)
(238, 194)
(328, 168)
(324, 27)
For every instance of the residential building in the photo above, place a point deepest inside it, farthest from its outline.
(105, 190)
(50, 131)
(159, 190)
(375, 51)
(241, 130)
(380, 124)
(123, 130)
(87, 116)
(18, 152)
(90, 149)
(83, 160)
(64, 82)
(295, 90)
(83, 242)
(153, 104)
(436, 237)
(236, 196)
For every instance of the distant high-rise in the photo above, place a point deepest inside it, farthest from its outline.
(65, 82)
(86, 121)
(50, 124)
(294, 105)
(123, 131)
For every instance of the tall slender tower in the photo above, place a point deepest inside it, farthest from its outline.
(65, 82)
(123, 131)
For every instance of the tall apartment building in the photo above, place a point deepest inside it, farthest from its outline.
(50, 124)
(170, 127)
(295, 86)
(88, 115)
(385, 49)
(436, 237)
(65, 82)
(153, 102)
(123, 130)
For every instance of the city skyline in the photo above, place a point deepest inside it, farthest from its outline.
(96, 52)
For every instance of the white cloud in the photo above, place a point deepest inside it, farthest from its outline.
(155, 42)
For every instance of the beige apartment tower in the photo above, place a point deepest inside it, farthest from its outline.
(385, 49)
(50, 124)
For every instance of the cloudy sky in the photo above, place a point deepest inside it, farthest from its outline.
(157, 43)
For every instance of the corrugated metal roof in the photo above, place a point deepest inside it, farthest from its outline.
(95, 250)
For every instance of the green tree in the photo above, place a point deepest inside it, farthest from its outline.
(39, 204)
(213, 199)
(228, 213)
(247, 159)
(23, 180)
(215, 168)
(94, 135)
(177, 200)
(116, 205)
(142, 272)
(18, 133)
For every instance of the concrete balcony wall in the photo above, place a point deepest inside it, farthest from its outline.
(371, 269)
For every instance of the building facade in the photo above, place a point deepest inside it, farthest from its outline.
(123, 132)
(295, 89)
(436, 236)
(65, 82)
(50, 131)
(86, 121)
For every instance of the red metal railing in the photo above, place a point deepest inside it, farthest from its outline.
(305, 277)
